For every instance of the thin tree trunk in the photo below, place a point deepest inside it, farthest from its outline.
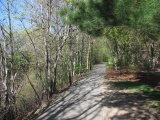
(54, 79)
(12, 86)
(34, 89)
(91, 54)
(3, 73)
(47, 68)
(88, 55)
(81, 59)
(70, 56)
(3, 66)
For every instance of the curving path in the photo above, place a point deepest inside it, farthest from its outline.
(94, 98)
(82, 101)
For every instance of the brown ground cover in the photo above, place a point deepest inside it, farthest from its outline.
(140, 75)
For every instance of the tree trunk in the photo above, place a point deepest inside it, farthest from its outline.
(81, 59)
(91, 55)
(70, 57)
(88, 55)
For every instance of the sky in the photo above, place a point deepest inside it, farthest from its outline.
(2, 8)
(16, 10)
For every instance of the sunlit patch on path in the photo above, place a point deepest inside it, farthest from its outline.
(83, 100)
(94, 98)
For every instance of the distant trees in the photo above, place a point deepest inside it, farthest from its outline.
(131, 27)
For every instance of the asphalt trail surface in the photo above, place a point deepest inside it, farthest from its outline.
(82, 101)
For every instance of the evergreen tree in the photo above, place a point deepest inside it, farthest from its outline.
(93, 16)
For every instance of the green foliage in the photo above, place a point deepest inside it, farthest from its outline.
(77, 68)
(138, 14)
(93, 16)
(90, 15)
(124, 44)
(109, 64)
(100, 52)
(136, 86)
(139, 89)
(21, 61)
(110, 59)
(133, 67)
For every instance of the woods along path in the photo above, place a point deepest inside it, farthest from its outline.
(93, 99)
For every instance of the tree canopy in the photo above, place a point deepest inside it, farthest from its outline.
(93, 16)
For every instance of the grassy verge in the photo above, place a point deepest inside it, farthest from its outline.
(139, 89)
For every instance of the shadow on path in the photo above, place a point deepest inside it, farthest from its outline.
(86, 100)
(120, 104)
(81, 101)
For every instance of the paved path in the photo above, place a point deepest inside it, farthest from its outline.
(83, 101)
(94, 98)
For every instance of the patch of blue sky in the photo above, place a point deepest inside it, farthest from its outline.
(18, 13)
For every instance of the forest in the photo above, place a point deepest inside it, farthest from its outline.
(47, 45)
